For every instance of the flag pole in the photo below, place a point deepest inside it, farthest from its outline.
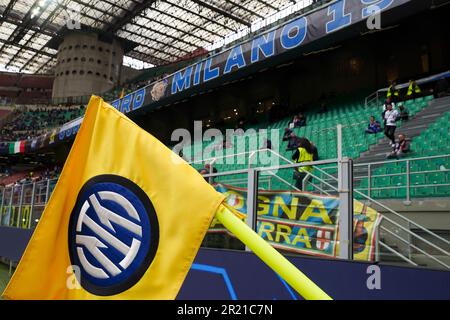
(285, 269)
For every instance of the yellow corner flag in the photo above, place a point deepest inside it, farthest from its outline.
(125, 220)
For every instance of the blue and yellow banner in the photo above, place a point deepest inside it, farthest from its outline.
(305, 223)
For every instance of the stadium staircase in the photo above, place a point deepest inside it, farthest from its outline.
(412, 128)
(429, 132)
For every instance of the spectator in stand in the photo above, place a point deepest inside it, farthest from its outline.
(295, 122)
(403, 113)
(374, 126)
(287, 134)
(400, 149)
(28, 123)
(302, 118)
(293, 142)
(390, 117)
(300, 121)
(304, 153)
(388, 101)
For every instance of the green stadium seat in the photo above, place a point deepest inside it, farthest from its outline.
(436, 178)
(380, 182)
(401, 193)
(386, 193)
(398, 180)
(423, 191)
(321, 130)
(417, 179)
(379, 171)
(443, 191)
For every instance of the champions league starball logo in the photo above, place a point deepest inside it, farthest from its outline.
(113, 234)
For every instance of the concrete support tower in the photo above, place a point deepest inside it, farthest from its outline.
(86, 65)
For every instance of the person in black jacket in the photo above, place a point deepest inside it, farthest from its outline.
(293, 142)
(315, 152)
(287, 134)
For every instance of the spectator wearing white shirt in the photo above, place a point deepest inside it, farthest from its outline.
(388, 101)
(390, 117)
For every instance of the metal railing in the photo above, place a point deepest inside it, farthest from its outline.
(21, 205)
(325, 183)
(406, 167)
(411, 235)
(344, 193)
(386, 220)
(375, 97)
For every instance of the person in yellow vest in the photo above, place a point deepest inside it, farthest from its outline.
(413, 90)
(393, 92)
(304, 153)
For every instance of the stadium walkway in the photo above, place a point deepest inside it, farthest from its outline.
(412, 128)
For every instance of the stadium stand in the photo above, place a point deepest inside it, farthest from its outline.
(320, 129)
(31, 122)
(4, 113)
(30, 175)
(16, 88)
(428, 165)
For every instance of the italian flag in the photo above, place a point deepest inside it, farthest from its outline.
(17, 147)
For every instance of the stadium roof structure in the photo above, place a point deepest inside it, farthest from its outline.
(160, 31)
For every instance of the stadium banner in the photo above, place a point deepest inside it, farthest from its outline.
(58, 135)
(287, 37)
(303, 222)
(16, 216)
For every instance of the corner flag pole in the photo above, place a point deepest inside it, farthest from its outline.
(286, 270)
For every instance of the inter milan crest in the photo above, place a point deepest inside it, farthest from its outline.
(113, 234)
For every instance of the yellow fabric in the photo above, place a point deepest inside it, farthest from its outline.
(391, 91)
(413, 87)
(109, 143)
(304, 156)
(122, 93)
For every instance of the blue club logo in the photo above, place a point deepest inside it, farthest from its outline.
(113, 234)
